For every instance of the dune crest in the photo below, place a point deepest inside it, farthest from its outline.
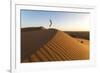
(54, 45)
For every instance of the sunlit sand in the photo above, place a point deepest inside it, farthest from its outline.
(42, 45)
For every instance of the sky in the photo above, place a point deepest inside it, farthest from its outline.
(65, 21)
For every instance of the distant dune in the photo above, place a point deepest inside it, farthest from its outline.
(40, 45)
(79, 34)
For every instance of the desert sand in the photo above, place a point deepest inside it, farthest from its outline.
(83, 41)
(41, 45)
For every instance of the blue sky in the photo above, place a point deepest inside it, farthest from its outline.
(66, 21)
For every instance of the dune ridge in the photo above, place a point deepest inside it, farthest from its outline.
(33, 39)
(58, 47)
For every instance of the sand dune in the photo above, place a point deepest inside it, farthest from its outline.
(34, 38)
(51, 45)
(83, 41)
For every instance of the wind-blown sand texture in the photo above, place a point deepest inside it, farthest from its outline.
(41, 45)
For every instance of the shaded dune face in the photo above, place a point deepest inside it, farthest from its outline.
(32, 39)
(51, 45)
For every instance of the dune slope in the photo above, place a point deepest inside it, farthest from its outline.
(55, 45)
